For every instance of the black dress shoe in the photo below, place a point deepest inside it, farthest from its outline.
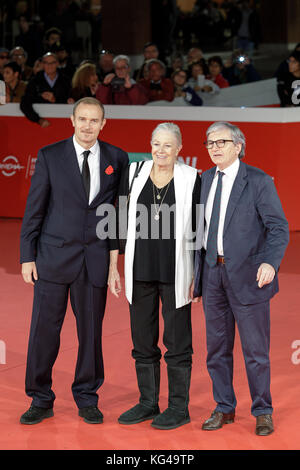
(91, 415)
(217, 420)
(36, 414)
(138, 414)
(264, 425)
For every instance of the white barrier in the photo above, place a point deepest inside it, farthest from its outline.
(261, 93)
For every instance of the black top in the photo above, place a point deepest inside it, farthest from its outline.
(154, 257)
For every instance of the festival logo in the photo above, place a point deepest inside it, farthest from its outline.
(10, 166)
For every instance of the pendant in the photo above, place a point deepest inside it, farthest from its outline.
(158, 196)
(156, 217)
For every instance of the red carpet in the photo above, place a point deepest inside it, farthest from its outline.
(67, 431)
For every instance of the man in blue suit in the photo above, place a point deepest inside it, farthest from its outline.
(62, 255)
(243, 241)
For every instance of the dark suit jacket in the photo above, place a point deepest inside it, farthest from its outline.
(37, 86)
(59, 226)
(255, 231)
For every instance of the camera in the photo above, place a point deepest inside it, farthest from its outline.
(240, 59)
(117, 83)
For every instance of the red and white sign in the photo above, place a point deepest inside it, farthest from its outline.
(272, 136)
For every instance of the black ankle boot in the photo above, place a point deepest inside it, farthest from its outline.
(177, 412)
(148, 377)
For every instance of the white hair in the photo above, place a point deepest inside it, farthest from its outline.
(236, 134)
(121, 57)
(169, 127)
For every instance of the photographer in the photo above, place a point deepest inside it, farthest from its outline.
(118, 87)
(157, 86)
(239, 69)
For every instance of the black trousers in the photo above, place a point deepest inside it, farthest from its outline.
(49, 308)
(144, 316)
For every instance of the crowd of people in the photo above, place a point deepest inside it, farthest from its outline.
(53, 78)
(45, 73)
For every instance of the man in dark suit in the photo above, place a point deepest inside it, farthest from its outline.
(61, 254)
(243, 241)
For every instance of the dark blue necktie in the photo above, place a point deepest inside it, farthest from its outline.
(211, 247)
(86, 173)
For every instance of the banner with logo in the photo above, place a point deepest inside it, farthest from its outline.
(271, 144)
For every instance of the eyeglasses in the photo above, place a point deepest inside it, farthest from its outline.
(49, 63)
(3, 56)
(220, 143)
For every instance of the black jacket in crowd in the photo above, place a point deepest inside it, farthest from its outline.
(39, 85)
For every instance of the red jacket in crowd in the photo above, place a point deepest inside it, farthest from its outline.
(134, 95)
(164, 90)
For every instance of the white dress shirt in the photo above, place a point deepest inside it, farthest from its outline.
(227, 182)
(94, 166)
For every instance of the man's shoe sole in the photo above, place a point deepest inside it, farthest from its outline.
(49, 414)
(99, 421)
(136, 421)
(158, 426)
(264, 434)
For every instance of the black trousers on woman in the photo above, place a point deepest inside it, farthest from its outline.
(144, 316)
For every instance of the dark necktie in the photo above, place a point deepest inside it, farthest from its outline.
(86, 173)
(212, 248)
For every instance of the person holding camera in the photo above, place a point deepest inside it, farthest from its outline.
(118, 87)
(239, 69)
(157, 86)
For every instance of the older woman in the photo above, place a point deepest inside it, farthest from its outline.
(159, 266)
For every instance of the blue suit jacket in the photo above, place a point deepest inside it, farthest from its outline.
(255, 231)
(59, 226)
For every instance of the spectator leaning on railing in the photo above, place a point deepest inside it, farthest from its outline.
(15, 87)
(286, 90)
(48, 86)
(184, 94)
(119, 88)
(157, 86)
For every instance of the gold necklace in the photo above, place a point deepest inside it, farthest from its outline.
(157, 210)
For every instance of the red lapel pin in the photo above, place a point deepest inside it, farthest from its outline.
(109, 170)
